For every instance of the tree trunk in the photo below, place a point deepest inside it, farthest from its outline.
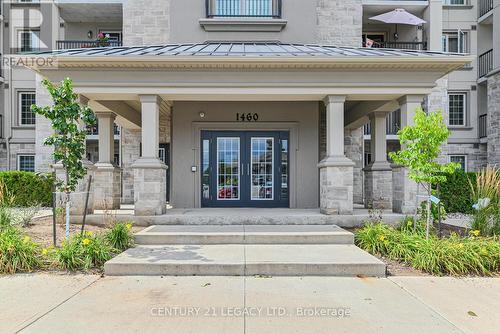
(416, 208)
(428, 213)
(67, 207)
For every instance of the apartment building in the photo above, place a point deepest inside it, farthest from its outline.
(245, 28)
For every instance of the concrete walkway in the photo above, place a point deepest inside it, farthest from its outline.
(52, 303)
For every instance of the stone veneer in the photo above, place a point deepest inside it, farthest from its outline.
(148, 183)
(378, 188)
(494, 119)
(131, 148)
(404, 191)
(107, 187)
(146, 22)
(339, 22)
(336, 195)
(79, 196)
(43, 157)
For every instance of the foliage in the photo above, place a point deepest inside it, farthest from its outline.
(422, 211)
(408, 225)
(69, 137)
(24, 189)
(486, 194)
(83, 252)
(120, 236)
(456, 192)
(421, 145)
(18, 253)
(454, 255)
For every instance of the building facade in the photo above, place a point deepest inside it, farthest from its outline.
(192, 123)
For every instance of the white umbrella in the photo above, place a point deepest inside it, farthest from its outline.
(399, 16)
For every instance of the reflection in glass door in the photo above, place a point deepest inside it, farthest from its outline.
(228, 168)
(262, 167)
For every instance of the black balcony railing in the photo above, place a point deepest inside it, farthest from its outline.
(393, 124)
(94, 130)
(483, 126)
(485, 63)
(420, 46)
(243, 8)
(485, 6)
(85, 44)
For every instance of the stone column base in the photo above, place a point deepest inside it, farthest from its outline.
(336, 186)
(404, 191)
(150, 187)
(79, 196)
(378, 186)
(107, 187)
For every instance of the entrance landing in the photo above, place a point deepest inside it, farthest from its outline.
(244, 216)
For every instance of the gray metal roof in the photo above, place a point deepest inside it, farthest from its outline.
(243, 49)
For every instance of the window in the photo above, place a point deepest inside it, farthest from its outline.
(28, 40)
(460, 159)
(455, 42)
(457, 108)
(26, 163)
(26, 100)
(455, 2)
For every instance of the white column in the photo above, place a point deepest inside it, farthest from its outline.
(433, 14)
(378, 174)
(409, 104)
(107, 177)
(106, 138)
(378, 121)
(149, 171)
(150, 105)
(336, 170)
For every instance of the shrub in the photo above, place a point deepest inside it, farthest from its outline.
(18, 253)
(456, 193)
(486, 195)
(448, 256)
(83, 252)
(120, 236)
(27, 189)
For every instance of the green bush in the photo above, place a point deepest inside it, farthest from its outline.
(456, 193)
(28, 189)
(18, 253)
(449, 256)
(83, 252)
(120, 236)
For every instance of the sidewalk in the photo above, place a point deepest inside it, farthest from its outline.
(55, 303)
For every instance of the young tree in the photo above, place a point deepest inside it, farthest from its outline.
(421, 145)
(69, 138)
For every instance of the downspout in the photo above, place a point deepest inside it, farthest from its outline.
(8, 118)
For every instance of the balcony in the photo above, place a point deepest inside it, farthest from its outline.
(243, 8)
(483, 126)
(393, 124)
(485, 63)
(485, 6)
(419, 46)
(61, 45)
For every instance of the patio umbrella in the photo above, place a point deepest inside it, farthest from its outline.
(398, 16)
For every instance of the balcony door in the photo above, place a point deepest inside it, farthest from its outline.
(244, 169)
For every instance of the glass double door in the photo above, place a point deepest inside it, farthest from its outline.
(245, 169)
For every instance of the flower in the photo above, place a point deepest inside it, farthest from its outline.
(85, 241)
(89, 234)
(45, 251)
(26, 239)
(475, 233)
(128, 226)
(381, 238)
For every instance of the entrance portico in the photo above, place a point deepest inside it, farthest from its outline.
(260, 94)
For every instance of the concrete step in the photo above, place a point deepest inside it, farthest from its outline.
(243, 234)
(246, 260)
